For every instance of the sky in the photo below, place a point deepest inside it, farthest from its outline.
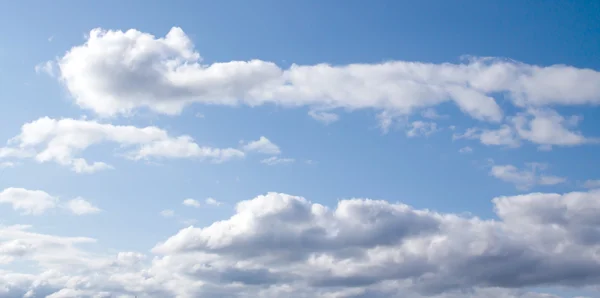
(300, 149)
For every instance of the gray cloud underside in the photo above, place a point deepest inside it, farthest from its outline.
(278, 245)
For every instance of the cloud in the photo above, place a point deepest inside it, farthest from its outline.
(262, 145)
(213, 202)
(526, 178)
(544, 127)
(324, 117)
(274, 160)
(167, 213)
(420, 128)
(29, 202)
(120, 71)
(80, 206)
(591, 184)
(279, 245)
(7, 164)
(466, 149)
(47, 67)
(547, 127)
(62, 140)
(430, 113)
(191, 203)
(37, 202)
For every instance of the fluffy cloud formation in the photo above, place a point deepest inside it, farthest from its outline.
(526, 178)
(262, 145)
(36, 202)
(62, 140)
(544, 127)
(421, 128)
(324, 117)
(213, 202)
(80, 206)
(117, 72)
(278, 245)
(191, 203)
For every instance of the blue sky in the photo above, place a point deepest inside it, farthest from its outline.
(443, 152)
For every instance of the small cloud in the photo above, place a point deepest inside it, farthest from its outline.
(527, 178)
(167, 213)
(432, 114)
(420, 128)
(324, 117)
(213, 202)
(199, 115)
(79, 206)
(310, 162)
(191, 203)
(274, 160)
(7, 164)
(262, 145)
(466, 149)
(592, 184)
(51, 38)
(45, 67)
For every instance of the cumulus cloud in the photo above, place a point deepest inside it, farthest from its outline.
(80, 206)
(465, 149)
(34, 202)
(279, 245)
(61, 141)
(262, 145)
(547, 127)
(421, 128)
(191, 203)
(213, 202)
(525, 178)
(274, 160)
(117, 72)
(544, 127)
(324, 117)
(167, 213)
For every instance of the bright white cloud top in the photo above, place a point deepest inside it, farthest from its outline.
(120, 71)
(278, 244)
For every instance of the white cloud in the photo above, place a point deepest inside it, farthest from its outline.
(544, 127)
(466, 149)
(430, 113)
(547, 127)
(420, 128)
(274, 160)
(324, 117)
(80, 206)
(278, 245)
(525, 178)
(7, 164)
(46, 67)
(62, 140)
(117, 72)
(34, 202)
(191, 203)
(167, 213)
(592, 184)
(262, 145)
(213, 202)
